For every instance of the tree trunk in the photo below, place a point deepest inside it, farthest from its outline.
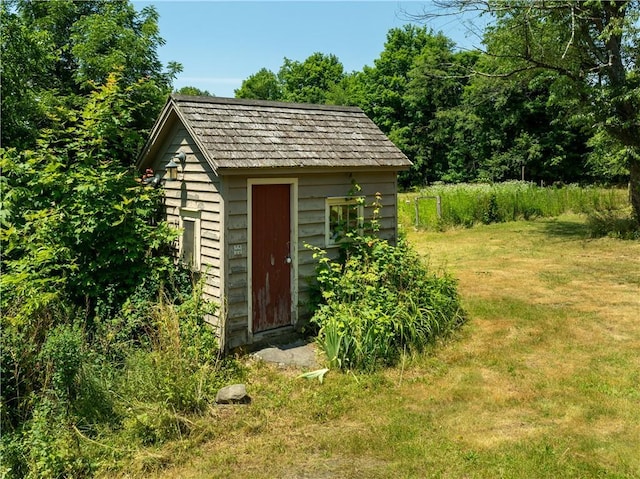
(634, 188)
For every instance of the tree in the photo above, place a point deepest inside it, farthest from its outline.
(75, 224)
(528, 127)
(58, 51)
(412, 81)
(387, 81)
(311, 80)
(25, 61)
(350, 91)
(593, 45)
(435, 90)
(263, 85)
(193, 91)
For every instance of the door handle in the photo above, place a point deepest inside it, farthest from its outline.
(287, 260)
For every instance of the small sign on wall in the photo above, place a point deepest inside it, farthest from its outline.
(237, 250)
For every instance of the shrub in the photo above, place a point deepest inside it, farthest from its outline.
(87, 347)
(379, 300)
(613, 224)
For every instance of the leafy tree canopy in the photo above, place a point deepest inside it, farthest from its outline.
(592, 45)
(263, 85)
(309, 81)
(555, 96)
(193, 91)
(55, 52)
(75, 224)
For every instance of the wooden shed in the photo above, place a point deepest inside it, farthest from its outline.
(257, 181)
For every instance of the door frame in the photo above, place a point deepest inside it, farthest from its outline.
(293, 228)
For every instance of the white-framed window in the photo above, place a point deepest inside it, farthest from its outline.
(342, 215)
(190, 238)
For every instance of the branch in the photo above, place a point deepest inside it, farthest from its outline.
(573, 32)
(534, 64)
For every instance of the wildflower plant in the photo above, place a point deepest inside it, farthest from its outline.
(378, 300)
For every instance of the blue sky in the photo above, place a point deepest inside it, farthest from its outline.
(221, 43)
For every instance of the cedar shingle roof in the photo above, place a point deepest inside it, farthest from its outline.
(236, 133)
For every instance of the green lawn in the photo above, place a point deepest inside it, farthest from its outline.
(542, 382)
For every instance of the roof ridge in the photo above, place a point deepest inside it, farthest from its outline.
(262, 103)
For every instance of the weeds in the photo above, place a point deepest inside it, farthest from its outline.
(614, 224)
(380, 300)
(469, 204)
(72, 405)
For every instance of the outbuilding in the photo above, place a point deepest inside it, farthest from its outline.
(257, 183)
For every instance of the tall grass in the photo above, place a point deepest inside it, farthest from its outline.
(469, 204)
(96, 400)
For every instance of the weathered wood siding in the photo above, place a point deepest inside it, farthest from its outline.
(236, 243)
(198, 188)
(313, 190)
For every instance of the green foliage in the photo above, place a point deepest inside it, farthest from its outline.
(528, 122)
(379, 301)
(591, 46)
(61, 354)
(75, 222)
(469, 204)
(50, 445)
(309, 81)
(24, 55)
(613, 224)
(78, 396)
(523, 109)
(177, 376)
(263, 85)
(193, 91)
(54, 53)
(85, 257)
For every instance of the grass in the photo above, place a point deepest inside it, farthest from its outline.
(469, 204)
(542, 382)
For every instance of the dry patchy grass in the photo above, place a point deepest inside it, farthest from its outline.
(543, 381)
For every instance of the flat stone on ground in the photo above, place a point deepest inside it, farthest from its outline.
(299, 354)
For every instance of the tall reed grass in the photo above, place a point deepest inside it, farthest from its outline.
(469, 204)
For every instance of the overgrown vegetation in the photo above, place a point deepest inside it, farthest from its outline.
(379, 300)
(471, 204)
(69, 408)
(104, 344)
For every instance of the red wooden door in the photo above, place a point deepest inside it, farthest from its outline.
(270, 256)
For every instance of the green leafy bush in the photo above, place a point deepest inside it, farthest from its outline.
(99, 327)
(378, 301)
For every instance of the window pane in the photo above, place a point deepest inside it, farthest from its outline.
(352, 221)
(343, 218)
(188, 242)
(335, 222)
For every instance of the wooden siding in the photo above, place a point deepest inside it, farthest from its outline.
(313, 189)
(197, 189)
(236, 243)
